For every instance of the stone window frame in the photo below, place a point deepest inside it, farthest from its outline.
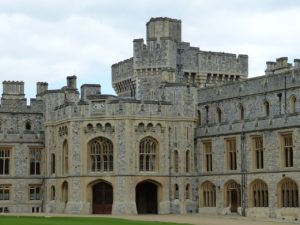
(288, 193)
(207, 156)
(148, 155)
(259, 194)
(52, 164)
(34, 192)
(52, 193)
(231, 154)
(258, 152)
(241, 112)
(5, 192)
(65, 192)
(101, 157)
(292, 101)
(266, 108)
(188, 166)
(65, 157)
(35, 160)
(198, 118)
(5, 160)
(208, 194)
(218, 115)
(287, 149)
(176, 161)
(188, 192)
(176, 192)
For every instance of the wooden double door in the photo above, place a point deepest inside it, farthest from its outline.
(102, 198)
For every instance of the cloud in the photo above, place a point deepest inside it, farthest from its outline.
(49, 40)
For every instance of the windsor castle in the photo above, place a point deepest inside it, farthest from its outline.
(187, 132)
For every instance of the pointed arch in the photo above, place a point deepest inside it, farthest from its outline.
(293, 100)
(242, 112)
(259, 194)
(148, 154)
(208, 194)
(176, 161)
(266, 108)
(188, 161)
(232, 195)
(288, 193)
(65, 161)
(218, 115)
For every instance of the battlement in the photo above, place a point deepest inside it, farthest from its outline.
(163, 27)
(281, 65)
(41, 87)
(13, 90)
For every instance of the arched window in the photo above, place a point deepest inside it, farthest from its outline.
(176, 191)
(148, 154)
(52, 163)
(208, 195)
(188, 161)
(176, 167)
(52, 194)
(218, 115)
(293, 104)
(260, 194)
(198, 118)
(64, 192)
(188, 192)
(28, 125)
(267, 108)
(288, 192)
(101, 155)
(231, 154)
(242, 112)
(65, 160)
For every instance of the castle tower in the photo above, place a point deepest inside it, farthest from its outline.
(13, 90)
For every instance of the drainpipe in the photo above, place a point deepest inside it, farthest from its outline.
(244, 174)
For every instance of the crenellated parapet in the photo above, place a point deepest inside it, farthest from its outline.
(281, 66)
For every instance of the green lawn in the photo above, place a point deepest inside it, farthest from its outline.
(24, 220)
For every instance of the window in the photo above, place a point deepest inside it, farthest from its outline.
(287, 150)
(52, 164)
(207, 156)
(4, 160)
(4, 192)
(242, 112)
(267, 108)
(293, 104)
(28, 125)
(64, 192)
(288, 192)
(260, 194)
(34, 193)
(35, 161)
(52, 194)
(101, 155)
(218, 115)
(148, 154)
(188, 191)
(258, 152)
(198, 118)
(65, 161)
(231, 154)
(208, 190)
(176, 168)
(188, 161)
(176, 191)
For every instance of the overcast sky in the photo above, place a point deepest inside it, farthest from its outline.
(47, 40)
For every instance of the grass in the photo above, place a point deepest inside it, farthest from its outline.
(27, 220)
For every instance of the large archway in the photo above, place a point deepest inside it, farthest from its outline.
(146, 198)
(102, 198)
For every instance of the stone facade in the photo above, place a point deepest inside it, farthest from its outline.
(187, 133)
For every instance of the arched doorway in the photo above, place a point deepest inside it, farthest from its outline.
(146, 198)
(102, 198)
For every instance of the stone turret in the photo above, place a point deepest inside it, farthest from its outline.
(162, 27)
(13, 90)
(72, 82)
(41, 87)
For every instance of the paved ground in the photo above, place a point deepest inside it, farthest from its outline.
(190, 219)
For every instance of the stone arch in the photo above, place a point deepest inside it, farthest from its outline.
(65, 192)
(241, 112)
(141, 127)
(258, 194)
(89, 127)
(207, 194)
(288, 193)
(52, 193)
(232, 195)
(99, 126)
(148, 196)
(218, 115)
(108, 127)
(266, 108)
(100, 155)
(149, 127)
(65, 158)
(293, 101)
(148, 154)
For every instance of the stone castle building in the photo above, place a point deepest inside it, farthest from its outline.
(186, 133)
